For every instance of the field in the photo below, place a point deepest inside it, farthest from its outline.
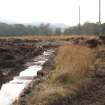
(52, 37)
(75, 71)
(72, 73)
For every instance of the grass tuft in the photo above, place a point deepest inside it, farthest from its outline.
(73, 63)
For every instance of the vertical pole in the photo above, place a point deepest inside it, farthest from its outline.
(79, 15)
(79, 20)
(99, 11)
(100, 28)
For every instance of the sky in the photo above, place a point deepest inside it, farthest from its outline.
(52, 11)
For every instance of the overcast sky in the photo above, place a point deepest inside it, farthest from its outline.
(54, 11)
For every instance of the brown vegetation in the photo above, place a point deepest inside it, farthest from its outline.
(52, 37)
(73, 65)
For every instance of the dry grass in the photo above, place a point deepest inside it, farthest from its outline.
(47, 92)
(52, 37)
(72, 63)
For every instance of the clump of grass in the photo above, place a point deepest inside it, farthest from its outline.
(48, 92)
(73, 63)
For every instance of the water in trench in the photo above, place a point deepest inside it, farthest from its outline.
(10, 91)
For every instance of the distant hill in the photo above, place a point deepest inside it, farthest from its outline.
(52, 25)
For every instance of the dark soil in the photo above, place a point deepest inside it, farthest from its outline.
(14, 53)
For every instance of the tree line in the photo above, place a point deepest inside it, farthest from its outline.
(45, 29)
(20, 29)
(86, 29)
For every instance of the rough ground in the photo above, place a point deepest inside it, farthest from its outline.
(93, 92)
(15, 53)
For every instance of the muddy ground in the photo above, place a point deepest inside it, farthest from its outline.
(92, 93)
(14, 53)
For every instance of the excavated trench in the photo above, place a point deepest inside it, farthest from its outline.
(14, 54)
(11, 90)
